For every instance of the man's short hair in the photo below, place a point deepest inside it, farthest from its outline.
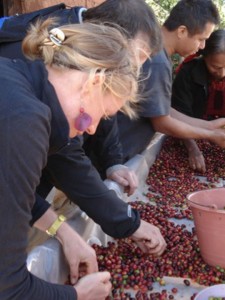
(194, 14)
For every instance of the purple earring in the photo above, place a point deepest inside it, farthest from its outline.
(83, 121)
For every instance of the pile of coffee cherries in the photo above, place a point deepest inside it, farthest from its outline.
(131, 269)
(170, 180)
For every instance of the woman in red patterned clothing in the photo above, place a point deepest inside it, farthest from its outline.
(199, 90)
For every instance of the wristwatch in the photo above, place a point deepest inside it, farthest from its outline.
(52, 230)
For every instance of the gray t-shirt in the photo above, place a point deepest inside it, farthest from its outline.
(155, 86)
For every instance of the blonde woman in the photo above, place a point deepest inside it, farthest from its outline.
(81, 73)
(142, 28)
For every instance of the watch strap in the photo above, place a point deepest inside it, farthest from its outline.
(52, 230)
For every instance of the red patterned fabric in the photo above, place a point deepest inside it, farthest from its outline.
(187, 59)
(216, 99)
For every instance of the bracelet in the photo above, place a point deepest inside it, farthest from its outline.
(52, 230)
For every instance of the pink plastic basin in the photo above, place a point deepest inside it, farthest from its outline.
(209, 218)
(212, 291)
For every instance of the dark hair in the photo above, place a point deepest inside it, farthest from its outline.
(132, 15)
(194, 14)
(215, 43)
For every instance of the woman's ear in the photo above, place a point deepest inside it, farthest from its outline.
(90, 85)
(98, 79)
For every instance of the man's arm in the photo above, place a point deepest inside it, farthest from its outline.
(176, 128)
(210, 125)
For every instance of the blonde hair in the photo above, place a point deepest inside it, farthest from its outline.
(92, 48)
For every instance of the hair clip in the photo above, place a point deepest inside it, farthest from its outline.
(57, 36)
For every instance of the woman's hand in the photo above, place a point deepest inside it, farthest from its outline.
(197, 161)
(96, 286)
(195, 157)
(149, 239)
(80, 256)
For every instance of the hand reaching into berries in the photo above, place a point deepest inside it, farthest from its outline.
(149, 239)
(195, 156)
(123, 176)
(197, 161)
(80, 256)
(96, 286)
